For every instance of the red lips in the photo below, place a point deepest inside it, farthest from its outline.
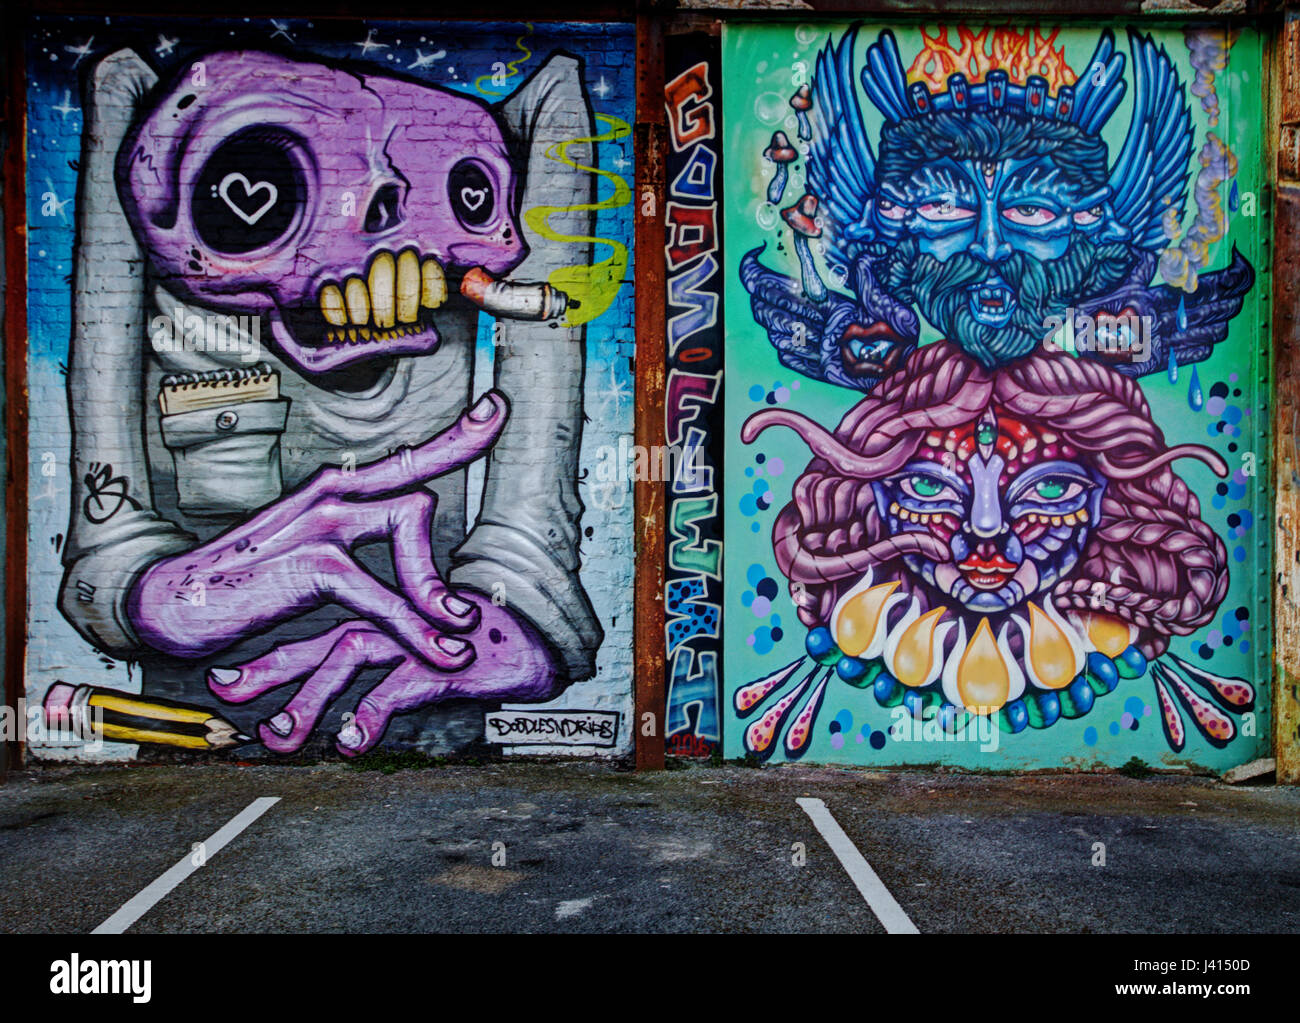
(986, 573)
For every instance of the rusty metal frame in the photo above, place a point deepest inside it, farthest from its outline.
(15, 371)
(651, 297)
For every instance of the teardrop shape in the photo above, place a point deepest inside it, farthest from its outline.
(801, 728)
(1106, 633)
(760, 735)
(1211, 722)
(1195, 396)
(914, 661)
(1051, 655)
(1233, 199)
(983, 681)
(1175, 731)
(858, 619)
(1182, 312)
(750, 696)
(1173, 366)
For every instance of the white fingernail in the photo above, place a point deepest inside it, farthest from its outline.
(351, 737)
(452, 645)
(483, 409)
(224, 676)
(460, 608)
(282, 723)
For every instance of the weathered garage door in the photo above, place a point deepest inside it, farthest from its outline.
(997, 385)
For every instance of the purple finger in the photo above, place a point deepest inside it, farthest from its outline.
(408, 521)
(361, 646)
(366, 597)
(470, 437)
(286, 663)
(409, 686)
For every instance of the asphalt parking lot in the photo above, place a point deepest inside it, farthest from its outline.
(558, 847)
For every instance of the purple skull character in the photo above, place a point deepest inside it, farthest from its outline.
(336, 206)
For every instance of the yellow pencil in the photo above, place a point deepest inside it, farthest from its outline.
(124, 717)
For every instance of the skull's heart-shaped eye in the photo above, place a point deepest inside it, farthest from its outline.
(250, 193)
(470, 190)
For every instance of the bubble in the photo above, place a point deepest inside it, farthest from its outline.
(761, 607)
(877, 740)
(756, 393)
(837, 741)
(805, 34)
(755, 574)
(770, 108)
(782, 395)
(747, 598)
(1090, 736)
(766, 216)
(775, 467)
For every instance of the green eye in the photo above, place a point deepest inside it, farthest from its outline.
(1050, 490)
(926, 487)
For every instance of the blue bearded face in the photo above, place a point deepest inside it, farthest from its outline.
(993, 224)
(988, 210)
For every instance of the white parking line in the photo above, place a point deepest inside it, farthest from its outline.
(887, 910)
(141, 903)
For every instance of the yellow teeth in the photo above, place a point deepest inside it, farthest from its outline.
(357, 299)
(383, 289)
(386, 303)
(331, 305)
(433, 284)
(408, 286)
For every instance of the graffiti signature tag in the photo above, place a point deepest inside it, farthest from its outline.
(106, 493)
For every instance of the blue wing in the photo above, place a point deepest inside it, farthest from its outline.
(1150, 175)
(841, 167)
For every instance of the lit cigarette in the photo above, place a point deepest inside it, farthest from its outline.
(516, 301)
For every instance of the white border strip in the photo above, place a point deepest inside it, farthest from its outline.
(141, 903)
(887, 910)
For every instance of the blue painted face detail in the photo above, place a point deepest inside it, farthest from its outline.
(991, 566)
(987, 210)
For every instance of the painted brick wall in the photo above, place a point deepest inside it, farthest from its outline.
(261, 249)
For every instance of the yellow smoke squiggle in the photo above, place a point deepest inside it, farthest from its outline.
(512, 68)
(596, 285)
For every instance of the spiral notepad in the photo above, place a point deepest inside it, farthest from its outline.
(190, 392)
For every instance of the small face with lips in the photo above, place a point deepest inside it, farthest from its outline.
(1012, 505)
(342, 208)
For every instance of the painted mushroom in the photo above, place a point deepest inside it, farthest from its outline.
(802, 103)
(802, 218)
(781, 153)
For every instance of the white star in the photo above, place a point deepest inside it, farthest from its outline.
(165, 45)
(425, 60)
(602, 88)
(615, 393)
(368, 44)
(622, 162)
(81, 51)
(281, 29)
(65, 107)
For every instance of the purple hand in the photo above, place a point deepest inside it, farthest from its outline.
(296, 555)
(513, 664)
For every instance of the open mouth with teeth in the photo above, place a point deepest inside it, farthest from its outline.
(992, 302)
(874, 351)
(987, 573)
(387, 312)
